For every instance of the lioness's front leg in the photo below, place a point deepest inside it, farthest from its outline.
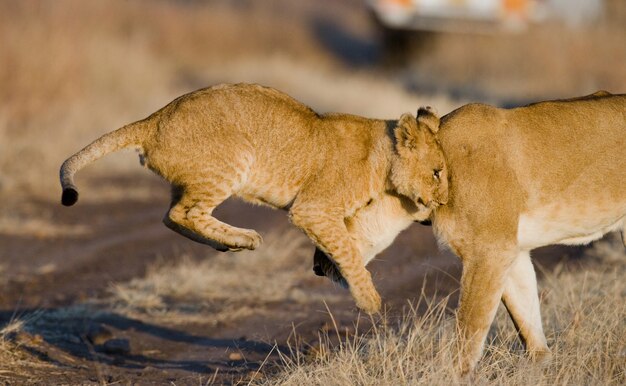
(482, 285)
(327, 229)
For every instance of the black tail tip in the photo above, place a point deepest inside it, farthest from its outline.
(69, 197)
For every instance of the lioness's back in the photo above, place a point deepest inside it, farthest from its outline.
(571, 152)
(543, 135)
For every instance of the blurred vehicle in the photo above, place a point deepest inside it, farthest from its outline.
(480, 16)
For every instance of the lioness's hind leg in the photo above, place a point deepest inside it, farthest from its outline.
(192, 217)
(522, 302)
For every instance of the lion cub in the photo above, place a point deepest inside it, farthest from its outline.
(549, 173)
(261, 145)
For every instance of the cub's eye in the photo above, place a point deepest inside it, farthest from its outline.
(437, 174)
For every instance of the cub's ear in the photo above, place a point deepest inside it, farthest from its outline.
(428, 117)
(406, 132)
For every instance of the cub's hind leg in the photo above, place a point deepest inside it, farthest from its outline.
(191, 216)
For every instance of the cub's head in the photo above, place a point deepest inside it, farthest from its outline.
(418, 169)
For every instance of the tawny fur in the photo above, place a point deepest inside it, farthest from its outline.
(549, 173)
(374, 226)
(261, 145)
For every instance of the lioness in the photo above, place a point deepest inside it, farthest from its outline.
(261, 145)
(548, 173)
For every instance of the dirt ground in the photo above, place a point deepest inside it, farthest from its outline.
(104, 293)
(61, 286)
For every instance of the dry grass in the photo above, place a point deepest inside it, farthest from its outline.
(223, 287)
(16, 363)
(71, 70)
(583, 313)
(41, 228)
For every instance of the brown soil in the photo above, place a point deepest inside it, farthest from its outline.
(54, 284)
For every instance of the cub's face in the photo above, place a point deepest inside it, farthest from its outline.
(419, 169)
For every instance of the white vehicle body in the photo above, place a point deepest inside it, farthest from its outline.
(481, 15)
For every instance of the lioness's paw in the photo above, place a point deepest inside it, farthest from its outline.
(541, 357)
(466, 371)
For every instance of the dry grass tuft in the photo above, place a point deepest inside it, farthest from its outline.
(225, 286)
(583, 313)
(16, 362)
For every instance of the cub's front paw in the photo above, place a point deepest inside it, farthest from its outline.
(369, 302)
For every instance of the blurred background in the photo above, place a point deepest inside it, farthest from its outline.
(71, 70)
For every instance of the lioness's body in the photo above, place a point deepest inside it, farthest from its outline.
(266, 148)
(548, 173)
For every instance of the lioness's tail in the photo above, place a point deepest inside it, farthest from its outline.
(129, 135)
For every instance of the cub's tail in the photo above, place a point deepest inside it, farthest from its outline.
(128, 136)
